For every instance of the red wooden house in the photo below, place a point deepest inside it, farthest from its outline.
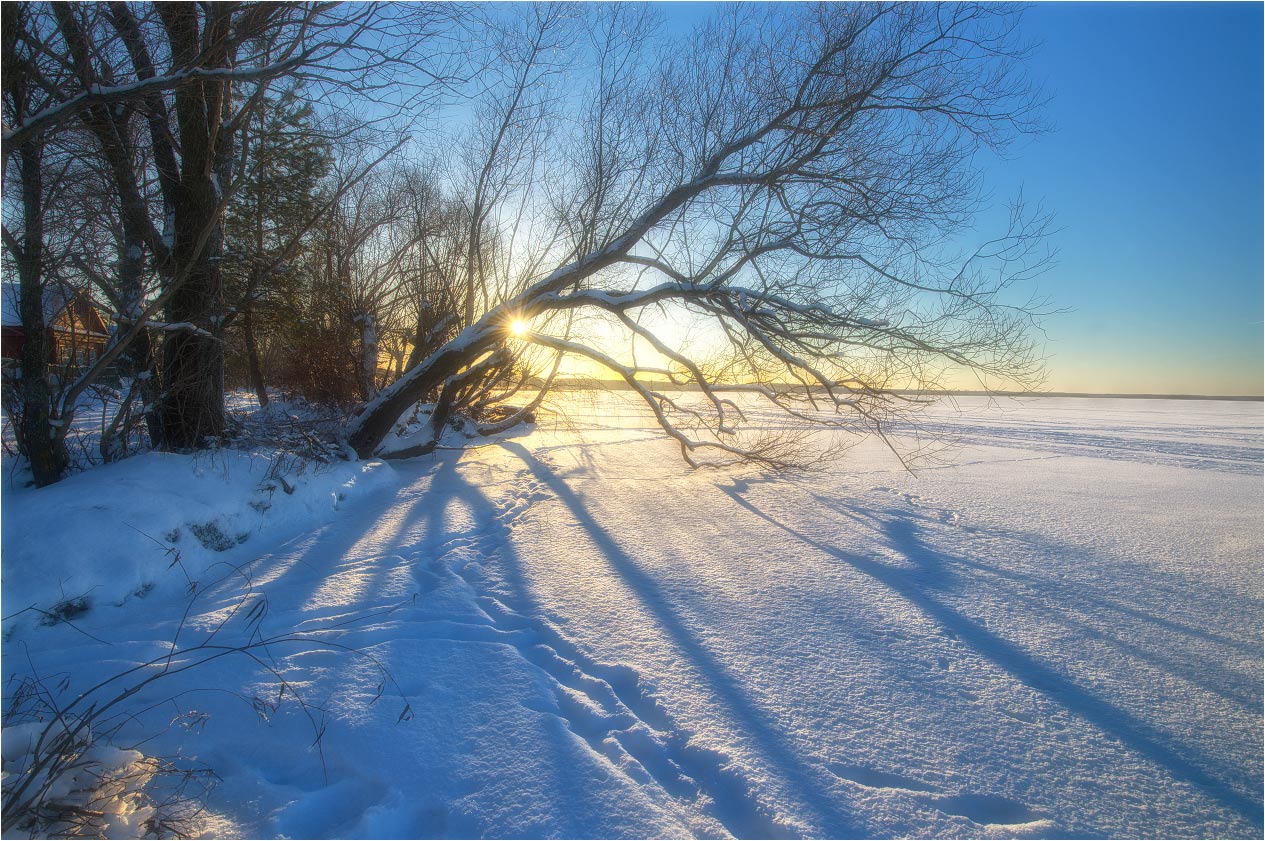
(77, 332)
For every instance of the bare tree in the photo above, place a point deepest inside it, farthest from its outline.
(793, 183)
(432, 270)
(789, 185)
(500, 151)
(192, 75)
(26, 73)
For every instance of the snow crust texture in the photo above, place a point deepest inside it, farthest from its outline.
(569, 634)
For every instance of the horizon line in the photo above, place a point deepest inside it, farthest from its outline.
(1258, 398)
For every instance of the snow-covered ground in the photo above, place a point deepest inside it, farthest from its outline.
(567, 633)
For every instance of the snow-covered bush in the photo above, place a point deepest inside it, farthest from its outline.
(63, 777)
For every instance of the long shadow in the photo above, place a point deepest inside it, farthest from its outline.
(487, 535)
(333, 545)
(929, 569)
(724, 687)
(569, 666)
(1249, 649)
(426, 529)
(1192, 666)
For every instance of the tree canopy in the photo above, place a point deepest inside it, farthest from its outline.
(777, 203)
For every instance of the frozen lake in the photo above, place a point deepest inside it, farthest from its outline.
(1056, 631)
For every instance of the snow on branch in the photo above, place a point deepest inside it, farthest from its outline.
(105, 94)
(169, 326)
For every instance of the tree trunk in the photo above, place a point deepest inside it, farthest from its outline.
(110, 126)
(366, 431)
(136, 363)
(417, 353)
(253, 369)
(45, 443)
(367, 372)
(192, 406)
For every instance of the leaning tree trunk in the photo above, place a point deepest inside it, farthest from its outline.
(377, 417)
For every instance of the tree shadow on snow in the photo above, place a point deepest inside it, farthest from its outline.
(734, 805)
(421, 528)
(930, 571)
(584, 811)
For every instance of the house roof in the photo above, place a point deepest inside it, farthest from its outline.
(57, 296)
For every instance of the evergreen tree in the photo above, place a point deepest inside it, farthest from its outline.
(277, 199)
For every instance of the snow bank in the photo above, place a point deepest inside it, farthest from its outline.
(164, 522)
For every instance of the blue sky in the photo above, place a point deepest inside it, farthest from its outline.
(1154, 173)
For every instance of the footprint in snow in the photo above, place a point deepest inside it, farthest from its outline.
(979, 808)
(873, 778)
(986, 809)
(949, 518)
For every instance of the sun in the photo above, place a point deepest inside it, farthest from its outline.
(518, 327)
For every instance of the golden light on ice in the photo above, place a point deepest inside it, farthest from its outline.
(518, 327)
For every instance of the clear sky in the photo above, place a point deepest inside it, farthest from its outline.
(1154, 173)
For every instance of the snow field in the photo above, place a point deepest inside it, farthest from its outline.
(569, 634)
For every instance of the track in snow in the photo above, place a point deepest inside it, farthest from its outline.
(606, 705)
